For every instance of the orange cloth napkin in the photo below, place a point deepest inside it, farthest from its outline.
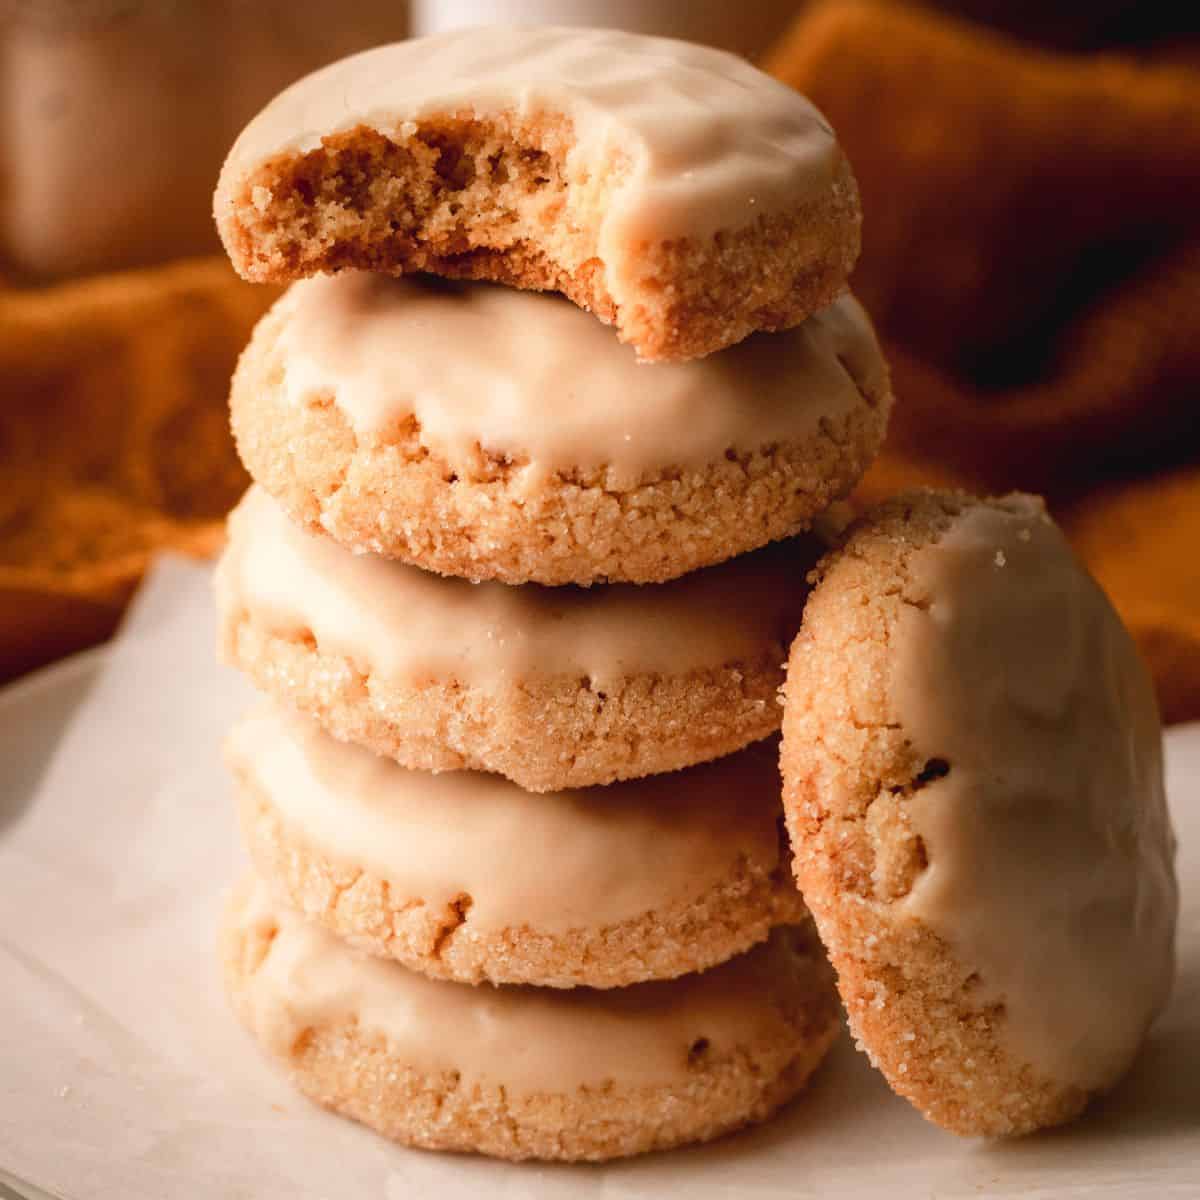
(1032, 257)
(114, 442)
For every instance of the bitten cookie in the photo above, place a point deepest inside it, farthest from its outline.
(527, 1072)
(973, 785)
(494, 434)
(552, 687)
(465, 876)
(672, 189)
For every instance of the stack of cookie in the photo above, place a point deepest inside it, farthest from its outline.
(536, 794)
(520, 603)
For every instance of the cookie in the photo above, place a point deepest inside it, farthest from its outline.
(552, 687)
(675, 191)
(494, 434)
(522, 1072)
(973, 784)
(642, 880)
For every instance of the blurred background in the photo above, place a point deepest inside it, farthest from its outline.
(1031, 182)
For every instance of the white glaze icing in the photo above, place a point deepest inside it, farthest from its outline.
(711, 142)
(547, 386)
(530, 1040)
(411, 626)
(603, 855)
(1049, 844)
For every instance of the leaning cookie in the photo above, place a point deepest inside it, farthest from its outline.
(973, 786)
(642, 880)
(672, 189)
(525, 1072)
(552, 687)
(493, 434)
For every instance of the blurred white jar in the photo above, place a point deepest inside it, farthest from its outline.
(115, 115)
(745, 26)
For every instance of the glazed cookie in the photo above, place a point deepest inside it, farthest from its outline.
(641, 880)
(493, 434)
(522, 1072)
(552, 687)
(672, 189)
(973, 785)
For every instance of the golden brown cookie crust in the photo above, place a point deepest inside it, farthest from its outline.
(440, 941)
(485, 199)
(848, 769)
(354, 1072)
(391, 495)
(543, 734)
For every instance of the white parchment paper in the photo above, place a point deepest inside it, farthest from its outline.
(123, 1076)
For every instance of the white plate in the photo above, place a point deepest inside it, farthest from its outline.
(122, 1074)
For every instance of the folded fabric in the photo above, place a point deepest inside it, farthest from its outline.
(1032, 258)
(114, 442)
